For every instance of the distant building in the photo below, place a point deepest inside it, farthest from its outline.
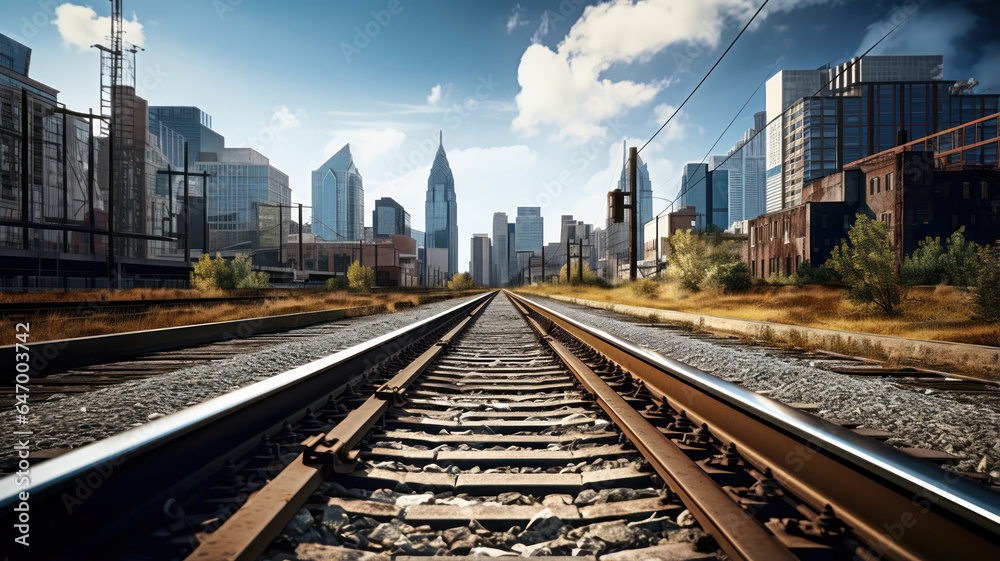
(419, 236)
(746, 164)
(817, 130)
(708, 192)
(390, 218)
(500, 265)
(928, 187)
(441, 209)
(248, 203)
(338, 198)
(479, 266)
(193, 124)
(511, 250)
(530, 229)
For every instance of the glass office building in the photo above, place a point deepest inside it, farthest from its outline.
(389, 218)
(708, 192)
(338, 198)
(745, 164)
(500, 259)
(860, 113)
(193, 124)
(441, 209)
(241, 184)
(530, 228)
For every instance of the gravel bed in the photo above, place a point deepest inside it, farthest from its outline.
(75, 420)
(935, 421)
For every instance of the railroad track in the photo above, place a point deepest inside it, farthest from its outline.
(501, 426)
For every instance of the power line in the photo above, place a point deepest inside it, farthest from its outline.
(779, 115)
(705, 77)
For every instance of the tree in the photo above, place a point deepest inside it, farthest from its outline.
(730, 277)
(360, 278)
(243, 275)
(461, 281)
(865, 264)
(924, 266)
(219, 274)
(688, 258)
(588, 275)
(986, 297)
(963, 260)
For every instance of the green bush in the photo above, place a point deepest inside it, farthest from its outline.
(461, 281)
(589, 277)
(645, 288)
(924, 265)
(986, 297)
(360, 278)
(962, 260)
(333, 283)
(730, 277)
(866, 265)
(211, 274)
(807, 274)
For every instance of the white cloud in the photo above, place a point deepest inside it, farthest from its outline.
(515, 20)
(543, 28)
(373, 149)
(564, 91)
(678, 127)
(283, 119)
(435, 96)
(80, 26)
(927, 32)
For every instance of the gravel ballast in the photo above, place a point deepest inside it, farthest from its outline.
(913, 418)
(75, 420)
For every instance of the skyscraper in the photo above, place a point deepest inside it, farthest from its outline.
(338, 198)
(390, 218)
(511, 250)
(858, 114)
(240, 185)
(193, 124)
(745, 164)
(480, 264)
(500, 264)
(441, 209)
(530, 229)
(708, 192)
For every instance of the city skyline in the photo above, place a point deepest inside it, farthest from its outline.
(503, 98)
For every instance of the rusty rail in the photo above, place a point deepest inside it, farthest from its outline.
(248, 532)
(902, 507)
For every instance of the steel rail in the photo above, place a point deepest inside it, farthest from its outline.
(739, 534)
(246, 534)
(91, 496)
(903, 507)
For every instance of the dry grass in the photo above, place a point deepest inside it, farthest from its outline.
(940, 313)
(46, 326)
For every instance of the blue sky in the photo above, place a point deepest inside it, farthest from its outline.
(534, 98)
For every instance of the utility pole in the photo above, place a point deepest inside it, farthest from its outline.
(187, 210)
(543, 261)
(579, 260)
(633, 239)
(569, 275)
(301, 263)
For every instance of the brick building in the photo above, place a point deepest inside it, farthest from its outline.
(928, 187)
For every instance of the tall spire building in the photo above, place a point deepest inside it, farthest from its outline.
(338, 198)
(441, 209)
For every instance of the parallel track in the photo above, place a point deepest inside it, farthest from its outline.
(540, 437)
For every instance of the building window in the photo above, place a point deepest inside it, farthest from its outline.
(871, 186)
(985, 189)
(888, 181)
(965, 189)
(878, 184)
